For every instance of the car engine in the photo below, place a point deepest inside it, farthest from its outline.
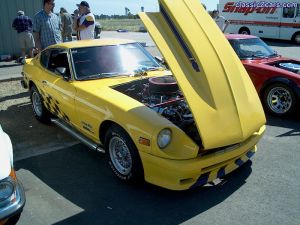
(290, 66)
(162, 95)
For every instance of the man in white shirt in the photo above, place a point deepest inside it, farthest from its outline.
(86, 22)
(220, 20)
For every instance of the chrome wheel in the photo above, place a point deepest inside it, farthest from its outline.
(120, 155)
(279, 100)
(37, 104)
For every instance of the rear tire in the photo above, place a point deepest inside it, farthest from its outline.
(279, 100)
(39, 110)
(244, 30)
(123, 156)
(296, 39)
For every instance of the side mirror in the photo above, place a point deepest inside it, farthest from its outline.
(60, 70)
(162, 61)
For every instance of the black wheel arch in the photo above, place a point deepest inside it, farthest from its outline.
(104, 127)
(281, 80)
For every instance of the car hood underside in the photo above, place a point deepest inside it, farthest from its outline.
(218, 90)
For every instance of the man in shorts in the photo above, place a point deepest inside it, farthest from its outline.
(23, 25)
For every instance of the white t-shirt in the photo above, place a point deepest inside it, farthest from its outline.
(88, 20)
(221, 22)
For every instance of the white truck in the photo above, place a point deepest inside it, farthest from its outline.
(278, 19)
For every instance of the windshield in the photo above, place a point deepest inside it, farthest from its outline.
(111, 61)
(251, 48)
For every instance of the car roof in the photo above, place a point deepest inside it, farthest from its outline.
(239, 36)
(92, 43)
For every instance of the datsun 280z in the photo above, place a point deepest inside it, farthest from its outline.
(177, 128)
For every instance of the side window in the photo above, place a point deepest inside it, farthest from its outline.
(288, 12)
(298, 11)
(58, 58)
(45, 58)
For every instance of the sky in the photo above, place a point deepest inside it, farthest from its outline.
(111, 7)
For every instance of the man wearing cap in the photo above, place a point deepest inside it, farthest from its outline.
(23, 25)
(47, 26)
(86, 22)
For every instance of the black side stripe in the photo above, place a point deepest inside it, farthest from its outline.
(180, 39)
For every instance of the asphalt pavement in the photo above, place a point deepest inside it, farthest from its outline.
(68, 184)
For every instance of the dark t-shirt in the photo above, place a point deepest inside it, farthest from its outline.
(67, 21)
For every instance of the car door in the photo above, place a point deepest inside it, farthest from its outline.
(59, 91)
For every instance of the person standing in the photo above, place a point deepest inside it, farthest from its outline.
(23, 25)
(47, 26)
(220, 20)
(67, 24)
(86, 22)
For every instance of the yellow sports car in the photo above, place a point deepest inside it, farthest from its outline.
(176, 128)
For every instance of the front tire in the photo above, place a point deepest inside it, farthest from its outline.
(123, 156)
(279, 100)
(39, 110)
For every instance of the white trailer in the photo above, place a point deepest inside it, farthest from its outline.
(278, 19)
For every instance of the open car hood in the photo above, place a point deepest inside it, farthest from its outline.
(219, 92)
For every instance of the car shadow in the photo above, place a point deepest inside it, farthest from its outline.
(84, 178)
(16, 96)
(279, 43)
(292, 123)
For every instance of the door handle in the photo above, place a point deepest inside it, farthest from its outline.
(44, 82)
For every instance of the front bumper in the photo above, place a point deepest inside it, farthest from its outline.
(186, 174)
(15, 206)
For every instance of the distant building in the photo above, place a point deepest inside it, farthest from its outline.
(8, 11)
(142, 9)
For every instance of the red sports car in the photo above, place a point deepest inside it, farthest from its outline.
(276, 78)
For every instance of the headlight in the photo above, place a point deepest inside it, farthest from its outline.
(7, 189)
(164, 138)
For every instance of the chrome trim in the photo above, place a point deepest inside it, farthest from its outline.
(16, 206)
(89, 143)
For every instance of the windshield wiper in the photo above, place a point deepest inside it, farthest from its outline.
(259, 56)
(273, 55)
(104, 75)
(143, 70)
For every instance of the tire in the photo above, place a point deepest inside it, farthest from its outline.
(244, 30)
(13, 220)
(279, 100)
(123, 156)
(39, 110)
(296, 39)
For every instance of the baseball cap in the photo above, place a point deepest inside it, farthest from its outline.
(20, 12)
(83, 3)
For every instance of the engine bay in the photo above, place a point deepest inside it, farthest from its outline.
(291, 66)
(162, 95)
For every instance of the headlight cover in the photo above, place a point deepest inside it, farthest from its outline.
(7, 189)
(164, 138)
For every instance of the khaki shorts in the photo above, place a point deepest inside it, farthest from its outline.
(26, 40)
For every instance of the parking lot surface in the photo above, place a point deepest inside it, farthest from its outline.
(66, 183)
